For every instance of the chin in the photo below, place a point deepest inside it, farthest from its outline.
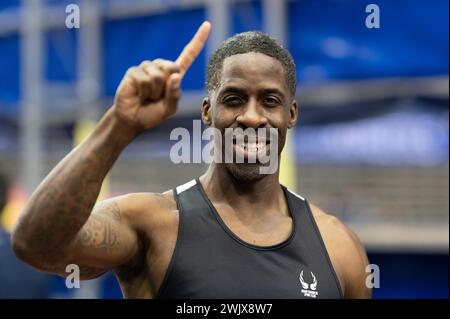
(245, 172)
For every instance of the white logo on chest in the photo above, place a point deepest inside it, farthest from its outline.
(309, 290)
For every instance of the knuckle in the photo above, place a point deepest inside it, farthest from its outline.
(145, 63)
(141, 79)
(159, 78)
(154, 73)
(175, 67)
(167, 66)
(131, 78)
(131, 71)
(190, 52)
(160, 61)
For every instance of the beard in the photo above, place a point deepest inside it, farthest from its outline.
(245, 172)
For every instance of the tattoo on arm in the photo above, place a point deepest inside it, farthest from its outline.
(108, 208)
(101, 231)
(63, 202)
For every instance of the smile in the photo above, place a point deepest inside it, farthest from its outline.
(250, 151)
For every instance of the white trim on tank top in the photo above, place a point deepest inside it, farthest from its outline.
(185, 186)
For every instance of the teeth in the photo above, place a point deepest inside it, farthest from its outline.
(252, 147)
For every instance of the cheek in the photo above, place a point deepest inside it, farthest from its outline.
(280, 121)
(279, 118)
(222, 117)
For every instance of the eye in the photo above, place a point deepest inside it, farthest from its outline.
(232, 100)
(271, 101)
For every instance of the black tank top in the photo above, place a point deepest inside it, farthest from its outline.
(210, 261)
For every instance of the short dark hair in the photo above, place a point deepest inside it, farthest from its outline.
(246, 42)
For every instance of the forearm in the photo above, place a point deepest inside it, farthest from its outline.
(64, 200)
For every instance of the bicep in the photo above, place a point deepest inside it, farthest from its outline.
(106, 241)
(356, 272)
(347, 254)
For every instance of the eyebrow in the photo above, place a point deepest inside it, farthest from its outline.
(238, 90)
(273, 91)
(231, 89)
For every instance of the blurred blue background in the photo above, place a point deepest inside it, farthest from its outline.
(371, 145)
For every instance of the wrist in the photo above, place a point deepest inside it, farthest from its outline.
(122, 129)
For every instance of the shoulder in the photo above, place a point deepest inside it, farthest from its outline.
(142, 209)
(136, 202)
(330, 225)
(346, 251)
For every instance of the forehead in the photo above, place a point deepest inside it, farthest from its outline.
(253, 69)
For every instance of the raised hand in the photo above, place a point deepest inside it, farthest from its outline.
(149, 93)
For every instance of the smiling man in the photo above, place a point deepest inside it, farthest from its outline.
(231, 233)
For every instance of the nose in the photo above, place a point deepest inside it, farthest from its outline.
(252, 115)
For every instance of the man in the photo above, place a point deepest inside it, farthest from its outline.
(232, 233)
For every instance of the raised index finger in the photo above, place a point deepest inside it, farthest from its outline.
(193, 48)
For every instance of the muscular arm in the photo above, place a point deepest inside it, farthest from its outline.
(56, 226)
(357, 261)
(57, 218)
(107, 240)
(347, 254)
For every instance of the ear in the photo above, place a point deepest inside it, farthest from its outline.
(206, 111)
(293, 114)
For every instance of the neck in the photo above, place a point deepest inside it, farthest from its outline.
(256, 197)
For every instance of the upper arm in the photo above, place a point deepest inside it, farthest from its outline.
(107, 239)
(356, 262)
(347, 254)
